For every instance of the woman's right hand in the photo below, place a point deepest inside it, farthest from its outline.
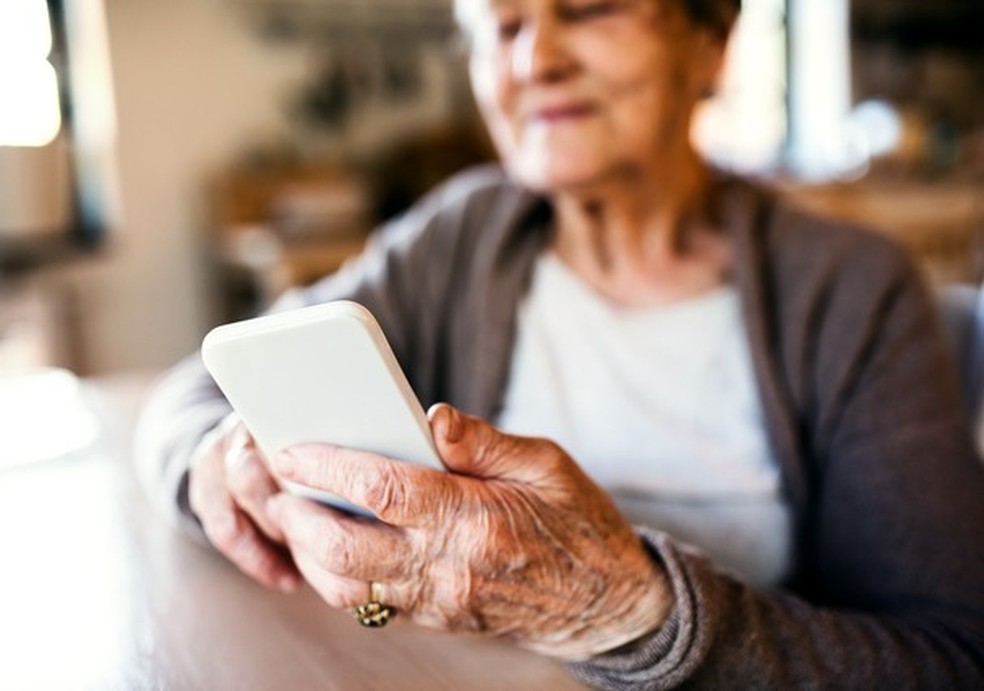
(229, 485)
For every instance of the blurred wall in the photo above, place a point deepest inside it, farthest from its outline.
(191, 87)
(196, 90)
(195, 87)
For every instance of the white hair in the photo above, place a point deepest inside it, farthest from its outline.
(465, 14)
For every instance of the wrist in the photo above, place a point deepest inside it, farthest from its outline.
(639, 602)
(639, 612)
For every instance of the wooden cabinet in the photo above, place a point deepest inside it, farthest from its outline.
(281, 227)
(942, 223)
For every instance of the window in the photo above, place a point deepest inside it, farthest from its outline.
(56, 128)
(743, 127)
(784, 97)
(31, 114)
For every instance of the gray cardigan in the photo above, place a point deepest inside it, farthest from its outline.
(861, 407)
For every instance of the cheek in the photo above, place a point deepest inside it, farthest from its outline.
(649, 110)
(491, 81)
(629, 75)
(650, 98)
(482, 73)
(496, 98)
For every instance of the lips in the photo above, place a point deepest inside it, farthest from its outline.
(562, 112)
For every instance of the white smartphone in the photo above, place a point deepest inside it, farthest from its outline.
(323, 373)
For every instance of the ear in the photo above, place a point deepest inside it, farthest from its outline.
(710, 53)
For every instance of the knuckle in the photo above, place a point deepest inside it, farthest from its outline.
(550, 454)
(336, 556)
(457, 602)
(250, 556)
(341, 597)
(223, 531)
(328, 457)
(248, 480)
(384, 492)
(490, 445)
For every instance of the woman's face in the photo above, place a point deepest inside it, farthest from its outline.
(575, 92)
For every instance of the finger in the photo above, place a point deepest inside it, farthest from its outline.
(206, 477)
(205, 467)
(251, 485)
(246, 547)
(344, 545)
(399, 493)
(236, 537)
(337, 591)
(470, 446)
(230, 530)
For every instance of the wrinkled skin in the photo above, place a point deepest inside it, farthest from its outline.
(228, 490)
(514, 542)
(589, 101)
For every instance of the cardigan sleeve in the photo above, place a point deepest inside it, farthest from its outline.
(893, 589)
(183, 406)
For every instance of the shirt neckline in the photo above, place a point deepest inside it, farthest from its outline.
(556, 268)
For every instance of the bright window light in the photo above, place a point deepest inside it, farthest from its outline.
(31, 114)
(743, 127)
(820, 146)
(45, 416)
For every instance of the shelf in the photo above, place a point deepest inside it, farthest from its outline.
(345, 19)
(918, 24)
(942, 224)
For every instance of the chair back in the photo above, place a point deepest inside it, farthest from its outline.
(962, 312)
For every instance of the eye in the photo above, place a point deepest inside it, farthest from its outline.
(508, 23)
(490, 22)
(508, 29)
(585, 11)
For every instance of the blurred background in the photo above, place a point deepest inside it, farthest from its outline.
(166, 166)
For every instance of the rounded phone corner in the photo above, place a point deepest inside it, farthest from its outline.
(322, 373)
(352, 308)
(208, 344)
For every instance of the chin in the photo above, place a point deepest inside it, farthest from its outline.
(560, 175)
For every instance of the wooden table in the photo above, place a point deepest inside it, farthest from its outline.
(98, 592)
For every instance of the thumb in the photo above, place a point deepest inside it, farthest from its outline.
(470, 446)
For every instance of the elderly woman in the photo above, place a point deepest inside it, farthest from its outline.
(791, 495)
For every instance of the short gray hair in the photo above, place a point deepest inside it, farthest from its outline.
(718, 15)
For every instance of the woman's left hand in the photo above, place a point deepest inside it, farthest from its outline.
(515, 542)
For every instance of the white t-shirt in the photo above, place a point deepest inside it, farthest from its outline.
(660, 407)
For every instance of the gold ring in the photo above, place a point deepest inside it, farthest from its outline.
(374, 613)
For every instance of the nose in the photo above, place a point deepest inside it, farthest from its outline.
(540, 52)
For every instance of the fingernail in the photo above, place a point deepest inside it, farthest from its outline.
(452, 424)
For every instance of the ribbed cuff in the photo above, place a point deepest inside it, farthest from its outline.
(666, 657)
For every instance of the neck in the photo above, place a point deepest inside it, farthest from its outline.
(643, 239)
